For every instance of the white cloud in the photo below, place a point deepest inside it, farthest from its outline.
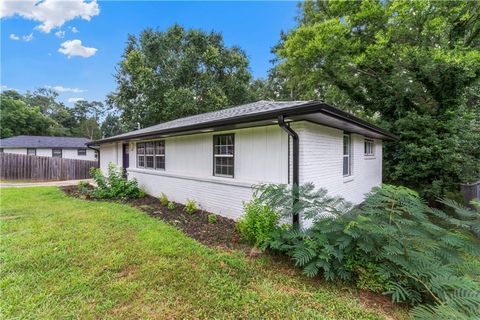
(50, 13)
(73, 100)
(28, 37)
(60, 34)
(65, 89)
(72, 48)
(74, 30)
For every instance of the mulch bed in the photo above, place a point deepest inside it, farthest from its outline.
(222, 233)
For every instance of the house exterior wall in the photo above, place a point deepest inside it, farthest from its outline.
(321, 162)
(47, 152)
(261, 156)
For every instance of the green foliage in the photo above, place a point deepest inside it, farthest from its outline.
(171, 205)
(83, 187)
(212, 218)
(163, 199)
(40, 113)
(115, 186)
(411, 66)
(393, 243)
(258, 223)
(190, 206)
(165, 75)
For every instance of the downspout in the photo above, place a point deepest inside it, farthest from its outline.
(295, 156)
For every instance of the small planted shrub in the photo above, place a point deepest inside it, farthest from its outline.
(171, 206)
(190, 206)
(258, 223)
(115, 185)
(212, 218)
(393, 243)
(163, 199)
(84, 187)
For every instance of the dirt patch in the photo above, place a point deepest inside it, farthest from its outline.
(221, 233)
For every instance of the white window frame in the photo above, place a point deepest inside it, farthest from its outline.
(81, 150)
(155, 154)
(347, 154)
(34, 151)
(53, 153)
(221, 155)
(369, 147)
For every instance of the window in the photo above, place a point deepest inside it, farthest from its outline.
(1, 150)
(57, 153)
(347, 155)
(31, 151)
(369, 147)
(223, 151)
(82, 152)
(160, 155)
(151, 155)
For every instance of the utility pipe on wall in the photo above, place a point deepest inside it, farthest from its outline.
(295, 164)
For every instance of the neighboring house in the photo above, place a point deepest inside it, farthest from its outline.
(46, 146)
(216, 157)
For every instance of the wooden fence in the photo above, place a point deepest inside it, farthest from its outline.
(23, 167)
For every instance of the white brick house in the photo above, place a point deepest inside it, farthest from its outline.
(215, 158)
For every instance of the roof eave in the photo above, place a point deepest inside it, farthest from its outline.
(298, 110)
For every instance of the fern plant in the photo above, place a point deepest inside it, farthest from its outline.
(392, 243)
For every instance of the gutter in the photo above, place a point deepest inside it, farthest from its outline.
(297, 110)
(295, 164)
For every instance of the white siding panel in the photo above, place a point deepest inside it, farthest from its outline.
(47, 152)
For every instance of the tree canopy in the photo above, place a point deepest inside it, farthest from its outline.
(412, 66)
(164, 75)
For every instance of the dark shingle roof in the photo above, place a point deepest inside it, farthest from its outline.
(43, 142)
(250, 112)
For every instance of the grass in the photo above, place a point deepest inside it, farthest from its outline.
(69, 258)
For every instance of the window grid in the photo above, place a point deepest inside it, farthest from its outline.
(347, 155)
(31, 151)
(82, 152)
(369, 147)
(57, 153)
(223, 155)
(151, 155)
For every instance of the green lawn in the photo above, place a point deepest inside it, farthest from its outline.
(68, 258)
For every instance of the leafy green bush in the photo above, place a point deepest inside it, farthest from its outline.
(171, 205)
(212, 218)
(84, 187)
(393, 243)
(190, 206)
(115, 185)
(163, 199)
(258, 223)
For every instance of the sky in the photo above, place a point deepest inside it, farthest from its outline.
(74, 46)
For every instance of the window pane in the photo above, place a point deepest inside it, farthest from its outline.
(160, 147)
(141, 161)
(159, 162)
(346, 164)
(32, 152)
(57, 153)
(149, 162)
(149, 148)
(141, 148)
(82, 152)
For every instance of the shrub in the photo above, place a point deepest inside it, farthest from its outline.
(212, 218)
(84, 187)
(115, 185)
(163, 199)
(258, 223)
(171, 205)
(393, 243)
(190, 206)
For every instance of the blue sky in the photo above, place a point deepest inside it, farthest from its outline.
(27, 65)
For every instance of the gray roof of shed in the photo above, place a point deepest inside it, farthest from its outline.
(244, 113)
(43, 142)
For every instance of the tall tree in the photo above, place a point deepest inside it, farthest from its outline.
(415, 64)
(169, 74)
(87, 116)
(112, 126)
